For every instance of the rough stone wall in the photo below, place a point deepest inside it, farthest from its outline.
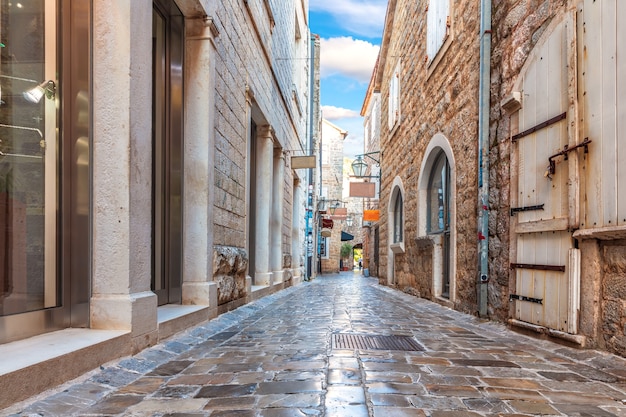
(229, 272)
(434, 99)
(613, 297)
(517, 27)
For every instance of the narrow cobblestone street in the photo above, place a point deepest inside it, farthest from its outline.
(278, 357)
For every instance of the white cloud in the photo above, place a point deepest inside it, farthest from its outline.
(362, 17)
(353, 143)
(335, 113)
(353, 58)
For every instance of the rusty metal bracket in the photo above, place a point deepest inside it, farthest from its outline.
(540, 126)
(564, 152)
(515, 210)
(558, 268)
(524, 298)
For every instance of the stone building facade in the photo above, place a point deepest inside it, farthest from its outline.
(428, 112)
(331, 192)
(169, 131)
(554, 206)
(370, 233)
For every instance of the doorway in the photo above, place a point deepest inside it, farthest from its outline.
(167, 150)
(438, 206)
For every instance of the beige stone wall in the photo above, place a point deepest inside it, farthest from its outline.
(613, 297)
(255, 67)
(435, 99)
(242, 63)
(332, 186)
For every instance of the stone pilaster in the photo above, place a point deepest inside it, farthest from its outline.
(276, 224)
(264, 170)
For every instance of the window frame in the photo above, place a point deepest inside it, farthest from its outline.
(445, 31)
(394, 98)
(397, 218)
(440, 163)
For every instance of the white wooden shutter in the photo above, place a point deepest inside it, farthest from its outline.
(437, 21)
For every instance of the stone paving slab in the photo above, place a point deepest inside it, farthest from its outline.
(275, 358)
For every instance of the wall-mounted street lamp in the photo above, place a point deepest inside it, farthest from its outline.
(331, 205)
(349, 221)
(359, 165)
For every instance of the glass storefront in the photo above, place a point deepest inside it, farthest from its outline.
(44, 165)
(28, 157)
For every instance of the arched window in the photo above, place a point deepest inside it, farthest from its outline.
(398, 223)
(436, 214)
(396, 217)
(439, 196)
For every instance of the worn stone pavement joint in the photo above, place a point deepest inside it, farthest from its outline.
(375, 342)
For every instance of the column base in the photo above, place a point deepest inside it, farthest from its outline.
(134, 312)
(263, 278)
(200, 293)
(278, 277)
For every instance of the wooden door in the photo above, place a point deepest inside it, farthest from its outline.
(544, 197)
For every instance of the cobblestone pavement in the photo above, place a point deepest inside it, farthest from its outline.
(279, 357)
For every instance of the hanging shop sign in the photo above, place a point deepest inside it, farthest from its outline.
(363, 189)
(371, 215)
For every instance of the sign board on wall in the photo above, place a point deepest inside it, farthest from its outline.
(363, 189)
(371, 215)
(299, 162)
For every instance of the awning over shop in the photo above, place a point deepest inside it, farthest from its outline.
(346, 236)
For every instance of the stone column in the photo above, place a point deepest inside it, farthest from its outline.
(199, 156)
(276, 232)
(296, 239)
(122, 171)
(264, 174)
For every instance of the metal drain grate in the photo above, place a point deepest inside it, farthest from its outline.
(377, 342)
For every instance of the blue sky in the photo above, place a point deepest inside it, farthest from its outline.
(350, 32)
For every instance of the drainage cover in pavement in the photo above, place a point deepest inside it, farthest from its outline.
(368, 342)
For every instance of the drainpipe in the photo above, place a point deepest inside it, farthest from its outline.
(483, 153)
(311, 171)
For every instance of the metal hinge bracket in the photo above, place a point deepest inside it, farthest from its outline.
(524, 298)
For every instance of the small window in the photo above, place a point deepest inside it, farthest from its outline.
(439, 196)
(398, 223)
(438, 21)
(394, 98)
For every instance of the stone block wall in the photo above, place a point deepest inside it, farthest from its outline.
(253, 59)
(435, 98)
(613, 297)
